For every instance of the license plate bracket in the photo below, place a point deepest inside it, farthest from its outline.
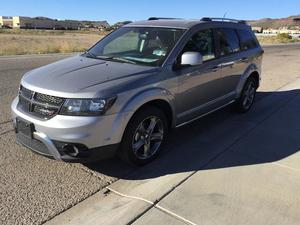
(24, 128)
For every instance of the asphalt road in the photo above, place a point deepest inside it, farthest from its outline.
(33, 189)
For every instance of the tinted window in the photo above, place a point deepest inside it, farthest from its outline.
(248, 40)
(229, 41)
(127, 42)
(202, 42)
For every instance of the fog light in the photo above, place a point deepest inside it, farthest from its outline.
(71, 150)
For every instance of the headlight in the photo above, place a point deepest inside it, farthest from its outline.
(86, 107)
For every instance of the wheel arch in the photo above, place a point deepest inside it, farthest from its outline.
(157, 97)
(255, 76)
(251, 71)
(163, 105)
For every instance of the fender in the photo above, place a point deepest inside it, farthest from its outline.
(145, 96)
(136, 102)
(251, 68)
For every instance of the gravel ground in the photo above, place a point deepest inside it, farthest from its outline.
(33, 189)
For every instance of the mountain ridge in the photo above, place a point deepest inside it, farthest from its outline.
(290, 22)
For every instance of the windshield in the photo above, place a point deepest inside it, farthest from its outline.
(138, 45)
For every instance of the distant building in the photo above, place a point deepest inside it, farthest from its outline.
(120, 24)
(288, 31)
(257, 29)
(6, 21)
(270, 31)
(297, 19)
(94, 25)
(24, 22)
(44, 23)
(282, 30)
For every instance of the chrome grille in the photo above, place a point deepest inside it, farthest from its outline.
(48, 99)
(24, 103)
(26, 92)
(38, 104)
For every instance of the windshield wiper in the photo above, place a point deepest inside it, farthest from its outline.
(123, 60)
(115, 58)
(103, 57)
(92, 55)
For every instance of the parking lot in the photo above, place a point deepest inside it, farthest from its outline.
(229, 168)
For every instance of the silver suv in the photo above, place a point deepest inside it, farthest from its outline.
(123, 95)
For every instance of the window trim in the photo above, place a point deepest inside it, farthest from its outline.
(240, 40)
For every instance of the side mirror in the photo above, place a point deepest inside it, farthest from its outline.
(191, 59)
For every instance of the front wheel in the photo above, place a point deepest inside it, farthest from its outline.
(246, 100)
(144, 136)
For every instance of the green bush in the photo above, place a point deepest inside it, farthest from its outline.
(284, 36)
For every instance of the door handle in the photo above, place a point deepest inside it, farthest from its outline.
(215, 68)
(190, 74)
(228, 64)
(245, 59)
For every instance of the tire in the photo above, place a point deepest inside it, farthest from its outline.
(246, 100)
(138, 133)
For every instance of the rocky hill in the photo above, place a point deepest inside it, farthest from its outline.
(292, 21)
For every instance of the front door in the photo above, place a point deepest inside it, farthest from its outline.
(199, 85)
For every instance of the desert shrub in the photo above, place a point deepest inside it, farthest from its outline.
(16, 44)
(284, 36)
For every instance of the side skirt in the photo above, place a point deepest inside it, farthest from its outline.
(216, 109)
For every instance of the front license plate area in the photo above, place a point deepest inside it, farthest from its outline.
(24, 128)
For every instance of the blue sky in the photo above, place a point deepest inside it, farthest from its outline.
(117, 10)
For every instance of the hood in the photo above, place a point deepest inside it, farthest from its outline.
(80, 75)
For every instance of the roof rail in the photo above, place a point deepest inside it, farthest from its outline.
(161, 18)
(222, 19)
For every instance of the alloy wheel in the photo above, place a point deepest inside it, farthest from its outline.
(249, 95)
(148, 137)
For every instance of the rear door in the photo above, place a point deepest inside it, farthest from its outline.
(251, 52)
(232, 64)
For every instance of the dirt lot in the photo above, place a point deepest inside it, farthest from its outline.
(34, 189)
(39, 42)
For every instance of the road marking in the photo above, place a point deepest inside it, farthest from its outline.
(155, 205)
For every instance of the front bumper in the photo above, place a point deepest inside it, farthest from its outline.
(95, 137)
(42, 145)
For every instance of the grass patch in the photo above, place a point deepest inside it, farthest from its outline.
(20, 42)
(278, 39)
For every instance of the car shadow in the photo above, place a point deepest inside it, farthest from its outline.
(194, 146)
